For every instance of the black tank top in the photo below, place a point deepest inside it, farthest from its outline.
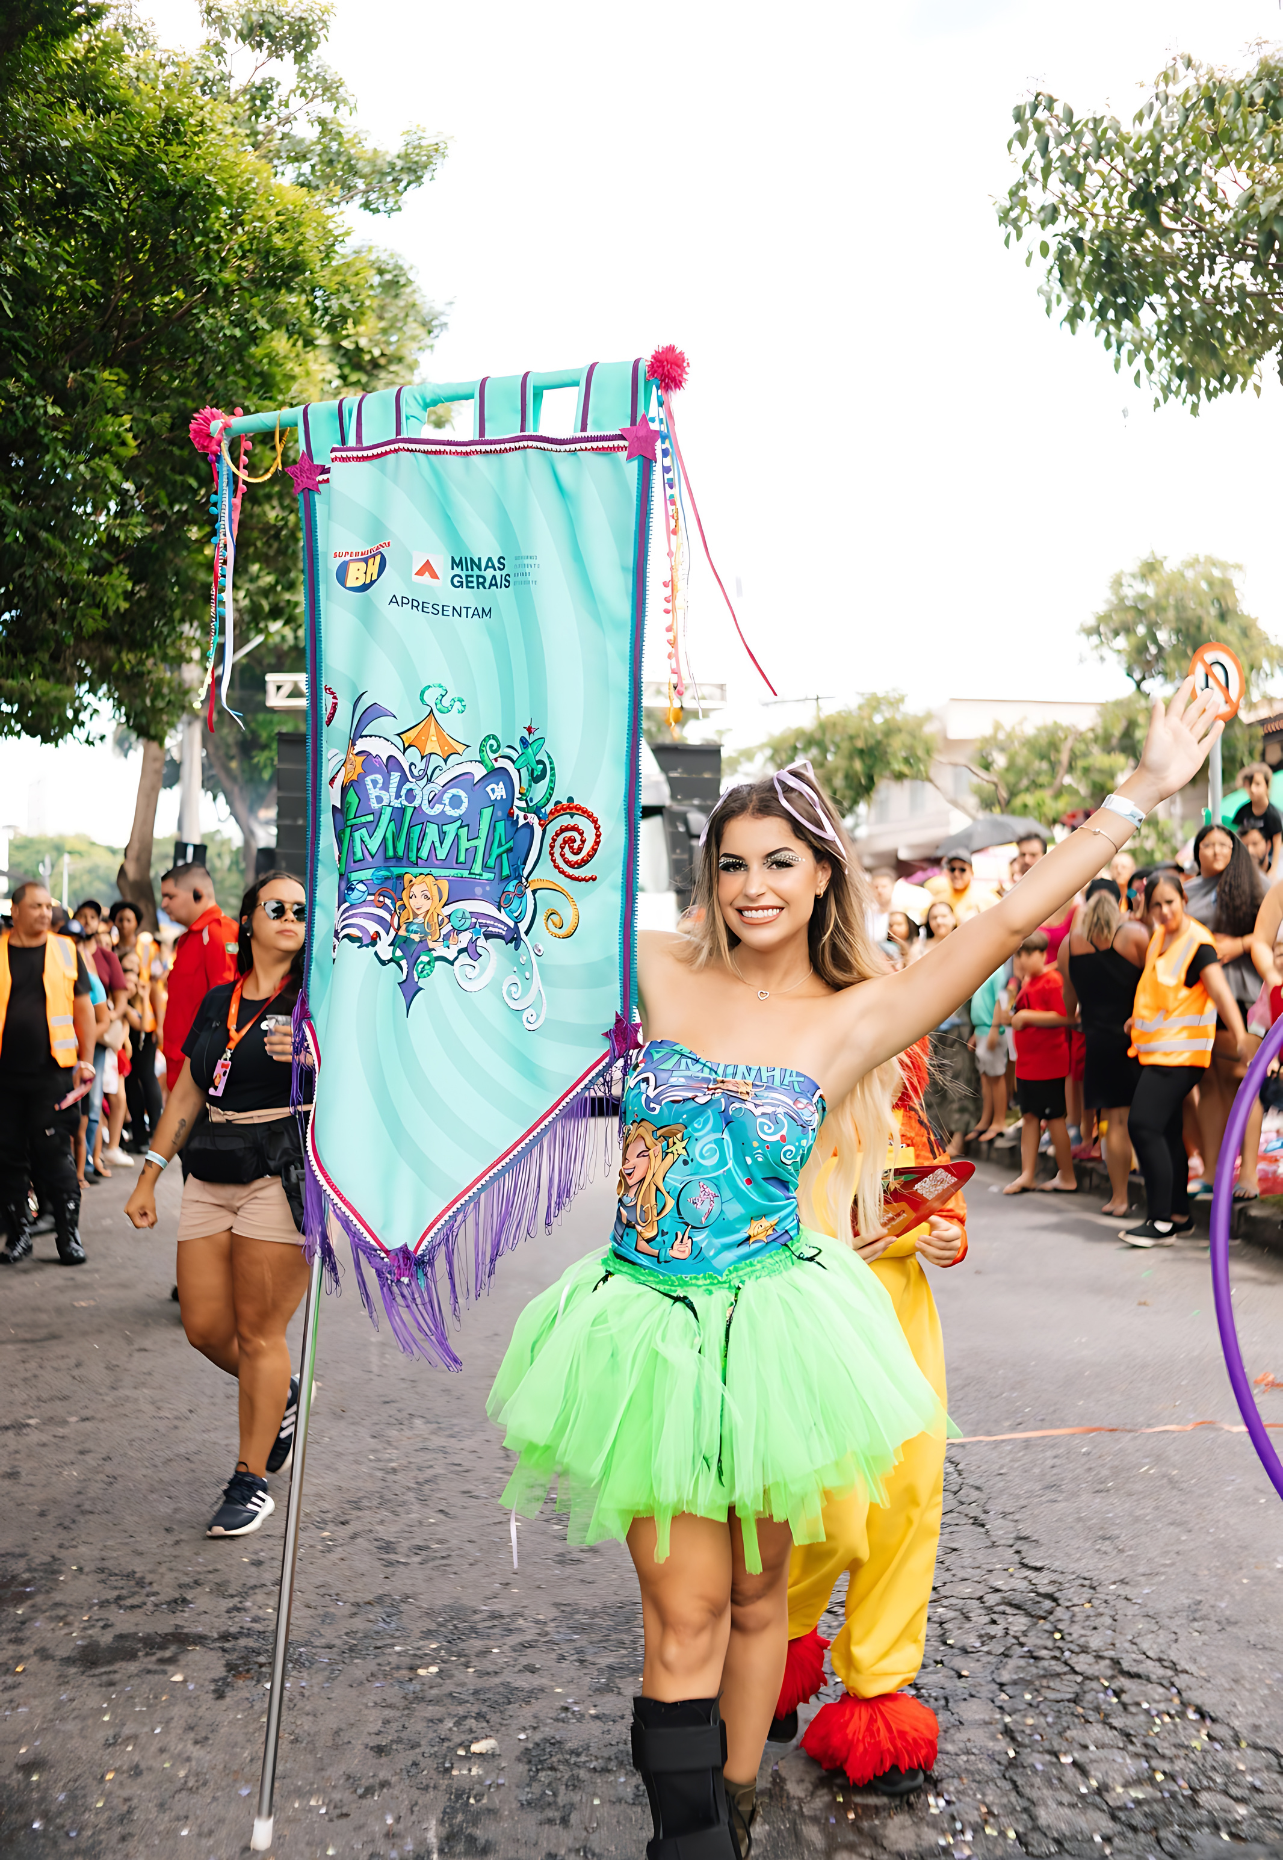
(1105, 983)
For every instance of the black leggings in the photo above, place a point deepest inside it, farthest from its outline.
(142, 1089)
(1154, 1124)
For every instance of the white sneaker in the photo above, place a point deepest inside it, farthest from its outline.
(119, 1159)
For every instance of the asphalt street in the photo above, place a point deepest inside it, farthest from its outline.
(1106, 1648)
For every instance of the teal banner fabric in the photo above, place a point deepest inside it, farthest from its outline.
(475, 617)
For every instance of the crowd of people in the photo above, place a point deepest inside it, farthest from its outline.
(118, 1047)
(756, 1419)
(1123, 1027)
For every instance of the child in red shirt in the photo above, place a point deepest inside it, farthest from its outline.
(1042, 1062)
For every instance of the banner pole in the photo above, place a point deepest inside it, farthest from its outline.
(1214, 782)
(262, 1836)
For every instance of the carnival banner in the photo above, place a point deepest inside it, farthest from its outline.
(475, 616)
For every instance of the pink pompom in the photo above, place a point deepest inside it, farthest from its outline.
(201, 436)
(669, 367)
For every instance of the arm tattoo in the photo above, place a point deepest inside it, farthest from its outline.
(179, 1133)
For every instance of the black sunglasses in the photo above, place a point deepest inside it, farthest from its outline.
(276, 908)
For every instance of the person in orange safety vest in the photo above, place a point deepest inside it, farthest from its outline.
(47, 1033)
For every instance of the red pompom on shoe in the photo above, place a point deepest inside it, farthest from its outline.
(867, 1737)
(199, 429)
(669, 367)
(803, 1672)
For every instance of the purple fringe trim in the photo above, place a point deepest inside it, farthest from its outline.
(423, 1294)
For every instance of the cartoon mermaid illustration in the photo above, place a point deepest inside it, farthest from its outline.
(649, 1152)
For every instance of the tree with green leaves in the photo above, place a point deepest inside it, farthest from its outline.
(1157, 616)
(852, 750)
(1164, 235)
(175, 232)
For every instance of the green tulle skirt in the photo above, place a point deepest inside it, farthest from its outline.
(638, 1394)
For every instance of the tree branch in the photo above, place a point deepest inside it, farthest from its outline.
(982, 775)
(1062, 767)
(133, 881)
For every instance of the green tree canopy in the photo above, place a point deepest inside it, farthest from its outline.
(1052, 769)
(173, 234)
(853, 750)
(1163, 236)
(1158, 616)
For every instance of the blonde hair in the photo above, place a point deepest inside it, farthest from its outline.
(1101, 917)
(438, 891)
(842, 954)
(661, 1154)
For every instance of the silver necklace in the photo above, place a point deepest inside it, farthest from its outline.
(764, 994)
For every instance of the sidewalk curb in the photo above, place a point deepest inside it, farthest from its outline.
(1249, 1221)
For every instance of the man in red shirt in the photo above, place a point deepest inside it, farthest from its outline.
(1042, 1061)
(204, 956)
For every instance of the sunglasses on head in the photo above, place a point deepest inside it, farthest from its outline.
(276, 909)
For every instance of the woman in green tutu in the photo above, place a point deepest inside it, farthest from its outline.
(699, 1387)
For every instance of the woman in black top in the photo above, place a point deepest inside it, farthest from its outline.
(1100, 963)
(241, 1270)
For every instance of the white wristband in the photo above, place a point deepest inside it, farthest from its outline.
(161, 1162)
(1117, 805)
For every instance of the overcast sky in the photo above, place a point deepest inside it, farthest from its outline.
(919, 480)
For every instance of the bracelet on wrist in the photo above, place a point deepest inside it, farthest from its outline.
(1118, 804)
(161, 1162)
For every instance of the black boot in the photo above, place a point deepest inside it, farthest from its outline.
(66, 1227)
(678, 1751)
(17, 1222)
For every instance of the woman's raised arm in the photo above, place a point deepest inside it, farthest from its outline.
(874, 1021)
(1265, 934)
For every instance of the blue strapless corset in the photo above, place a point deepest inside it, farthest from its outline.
(711, 1160)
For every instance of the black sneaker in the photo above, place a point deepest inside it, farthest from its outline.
(17, 1249)
(1149, 1233)
(783, 1730)
(279, 1458)
(246, 1502)
(896, 1782)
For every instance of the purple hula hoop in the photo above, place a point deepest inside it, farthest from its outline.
(1222, 1208)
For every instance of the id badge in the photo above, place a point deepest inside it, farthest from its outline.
(219, 1079)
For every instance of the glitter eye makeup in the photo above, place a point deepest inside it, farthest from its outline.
(728, 862)
(781, 861)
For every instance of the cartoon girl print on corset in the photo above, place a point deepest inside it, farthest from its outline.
(649, 1154)
(719, 1186)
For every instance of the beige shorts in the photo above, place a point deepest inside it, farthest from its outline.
(256, 1209)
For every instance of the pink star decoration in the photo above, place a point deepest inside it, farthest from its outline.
(642, 440)
(306, 474)
(625, 1037)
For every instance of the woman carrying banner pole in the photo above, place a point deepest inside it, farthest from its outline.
(701, 1389)
(241, 1270)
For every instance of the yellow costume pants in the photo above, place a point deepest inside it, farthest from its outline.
(890, 1549)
